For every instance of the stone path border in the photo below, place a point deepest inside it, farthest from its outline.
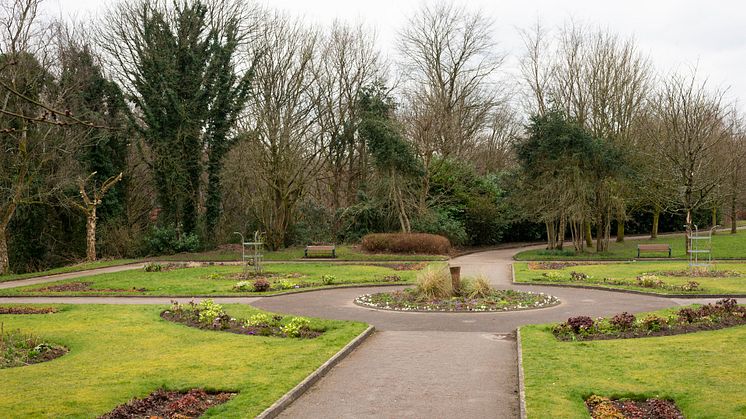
(289, 397)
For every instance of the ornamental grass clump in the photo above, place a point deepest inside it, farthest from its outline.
(478, 287)
(434, 283)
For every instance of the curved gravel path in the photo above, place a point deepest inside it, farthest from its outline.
(419, 365)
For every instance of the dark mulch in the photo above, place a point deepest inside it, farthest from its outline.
(83, 287)
(700, 274)
(27, 310)
(603, 408)
(402, 266)
(170, 404)
(554, 265)
(236, 326)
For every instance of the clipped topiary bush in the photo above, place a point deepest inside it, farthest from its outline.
(406, 243)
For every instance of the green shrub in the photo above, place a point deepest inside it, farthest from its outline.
(406, 243)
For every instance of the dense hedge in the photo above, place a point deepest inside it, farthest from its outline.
(406, 243)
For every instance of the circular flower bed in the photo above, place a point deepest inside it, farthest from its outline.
(495, 300)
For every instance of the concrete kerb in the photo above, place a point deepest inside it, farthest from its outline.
(292, 395)
(521, 377)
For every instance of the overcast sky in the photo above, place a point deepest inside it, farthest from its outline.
(675, 34)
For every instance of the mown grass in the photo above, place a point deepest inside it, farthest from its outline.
(120, 352)
(188, 282)
(724, 246)
(701, 372)
(345, 253)
(631, 270)
(67, 269)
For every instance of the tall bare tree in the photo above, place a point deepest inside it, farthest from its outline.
(449, 60)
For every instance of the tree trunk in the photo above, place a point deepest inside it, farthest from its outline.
(733, 215)
(656, 218)
(620, 226)
(714, 219)
(90, 238)
(4, 258)
(588, 234)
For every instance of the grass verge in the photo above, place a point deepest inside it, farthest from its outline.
(120, 352)
(724, 246)
(67, 269)
(629, 271)
(215, 280)
(700, 371)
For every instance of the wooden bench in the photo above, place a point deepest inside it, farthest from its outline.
(321, 251)
(653, 248)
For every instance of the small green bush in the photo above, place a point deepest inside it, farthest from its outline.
(406, 243)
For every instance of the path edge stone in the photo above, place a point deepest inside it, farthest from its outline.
(521, 378)
(297, 391)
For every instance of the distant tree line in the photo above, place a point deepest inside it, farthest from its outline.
(166, 126)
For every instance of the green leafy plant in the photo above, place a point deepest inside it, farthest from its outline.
(295, 326)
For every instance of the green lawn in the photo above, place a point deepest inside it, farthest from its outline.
(702, 372)
(119, 352)
(724, 246)
(70, 268)
(349, 253)
(630, 271)
(202, 281)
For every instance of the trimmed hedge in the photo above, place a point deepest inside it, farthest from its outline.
(431, 244)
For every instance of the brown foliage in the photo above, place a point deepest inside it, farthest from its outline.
(406, 243)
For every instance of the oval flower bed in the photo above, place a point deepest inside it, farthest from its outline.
(603, 408)
(494, 300)
(18, 349)
(210, 316)
(724, 313)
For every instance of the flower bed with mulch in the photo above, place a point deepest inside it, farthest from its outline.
(722, 314)
(27, 310)
(170, 404)
(210, 316)
(19, 349)
(605, 408)
(495, 300)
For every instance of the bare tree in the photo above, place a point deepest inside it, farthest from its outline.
(692, 122)
(448, 57)
(281, 125)
(350, 63)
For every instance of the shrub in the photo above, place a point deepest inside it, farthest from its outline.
(406, 243)
(653, 323)
(433, 283)
(295, 326)
(209, 311)
(243, 286)
(649, 281)
(479, 287)
(153, 267)
(580, 323)
(623, 321)
(261, 285)
(328, 279)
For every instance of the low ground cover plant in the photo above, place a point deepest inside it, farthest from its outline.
(211, 316)
(434, 291)
(169, 404)
(724, 313)
(407, 243)
(27, 310)
(652, 408)
(18, 349)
